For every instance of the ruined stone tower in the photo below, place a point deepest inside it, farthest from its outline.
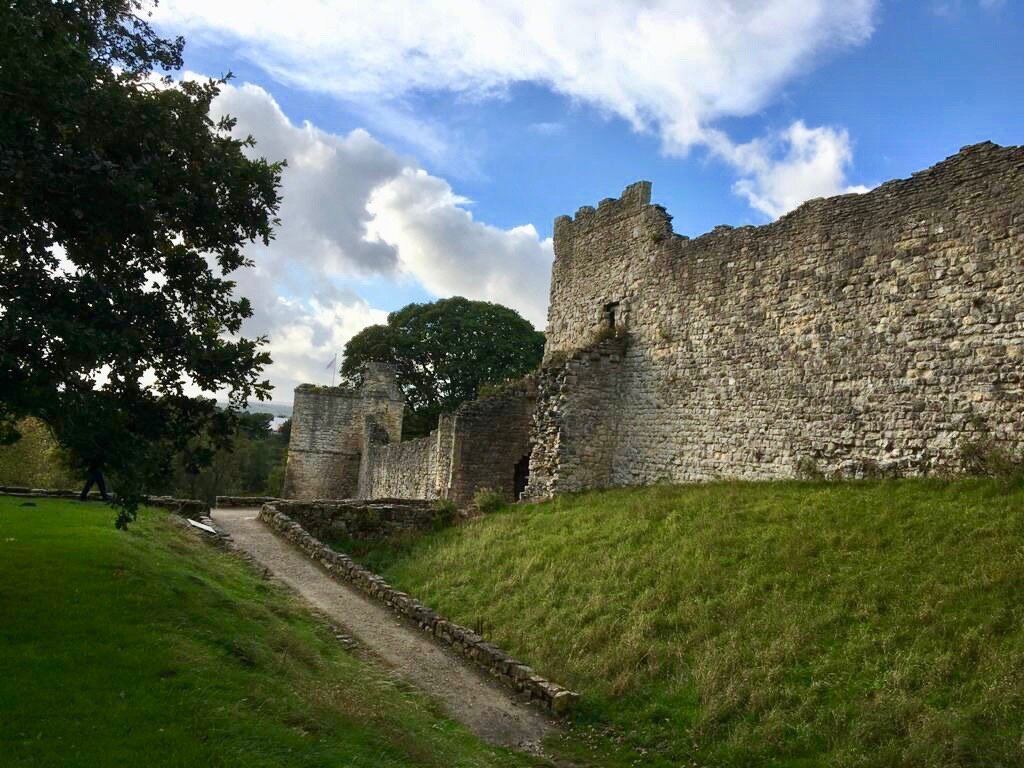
(327, 433)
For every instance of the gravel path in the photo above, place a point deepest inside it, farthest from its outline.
(469, 697)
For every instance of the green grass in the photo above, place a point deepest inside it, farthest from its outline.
(739, 624)
(151, 648)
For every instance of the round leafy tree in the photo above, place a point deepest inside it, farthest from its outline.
(123, 210)
(444, 352)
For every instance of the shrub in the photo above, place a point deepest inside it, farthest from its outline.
(444, 513)
(987, 457)
(487, 500)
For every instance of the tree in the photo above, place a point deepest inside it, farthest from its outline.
(443, 352)
(253, 465)
(123, 210)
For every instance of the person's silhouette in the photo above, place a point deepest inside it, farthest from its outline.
(95, 476)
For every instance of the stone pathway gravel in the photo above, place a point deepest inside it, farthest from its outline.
(476, 701)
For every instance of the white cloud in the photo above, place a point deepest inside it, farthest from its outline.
(673, 66)
(353, 207)
(953, 9)
(786, 169)
(451, 253)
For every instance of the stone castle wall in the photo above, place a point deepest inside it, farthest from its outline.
(346, 444)
(478, 446)
(875, 330)
(491, 444)
(326, 442)
(411, 469)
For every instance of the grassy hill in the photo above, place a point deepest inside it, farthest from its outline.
(149, 647)
(789, 624)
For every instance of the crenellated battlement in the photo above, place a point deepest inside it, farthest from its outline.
(859, 330)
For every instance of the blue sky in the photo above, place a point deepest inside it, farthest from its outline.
(432, 144)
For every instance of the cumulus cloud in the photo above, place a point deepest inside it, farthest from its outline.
(671, 67)
(674, 66)
(353, 207)
(785, 169)
(451, 253)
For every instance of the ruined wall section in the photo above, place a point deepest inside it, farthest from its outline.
(576, 423)
(491, 438)
(881, 330)
(478, 446)
(325, 448)
(412, 469)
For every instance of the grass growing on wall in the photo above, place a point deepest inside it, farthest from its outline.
(151, 648)
(741, 624)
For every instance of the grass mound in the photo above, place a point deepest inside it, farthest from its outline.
(784, 624)
(149, 647)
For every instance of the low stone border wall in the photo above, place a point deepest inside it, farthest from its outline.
(511, 673)
(46, 493)
(357, 519)
(244, 501)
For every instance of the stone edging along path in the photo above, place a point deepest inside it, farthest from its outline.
(511, 673)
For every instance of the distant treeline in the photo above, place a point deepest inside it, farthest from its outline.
(253, 467)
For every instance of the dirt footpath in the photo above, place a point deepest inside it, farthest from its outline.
(474, 700)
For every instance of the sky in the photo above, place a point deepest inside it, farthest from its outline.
(431, 143)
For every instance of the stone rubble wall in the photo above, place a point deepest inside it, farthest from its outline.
(491, 436)
(510, 672)
(410, 469)
(363, 519)
(325, 447)
(242, 502)
(476, 447)
(52, 493)
(574, 401)
(879, 330)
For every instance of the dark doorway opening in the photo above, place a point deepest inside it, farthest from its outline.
(520, 477)
(610, 311)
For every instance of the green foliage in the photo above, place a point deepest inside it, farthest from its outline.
(443, 352)
(869, 623)
(606, 333)
(498, 389)
(35, 460)
(252, 464)
(486, 501)
(985, 456)
(123, 211)
(156, 649)
(445, 512)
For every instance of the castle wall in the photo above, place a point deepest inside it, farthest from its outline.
(476, 447)
(876, 330)
(412, 469)
(325, 448)
(491, 437)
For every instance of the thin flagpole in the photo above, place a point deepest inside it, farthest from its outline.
(333, 365)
